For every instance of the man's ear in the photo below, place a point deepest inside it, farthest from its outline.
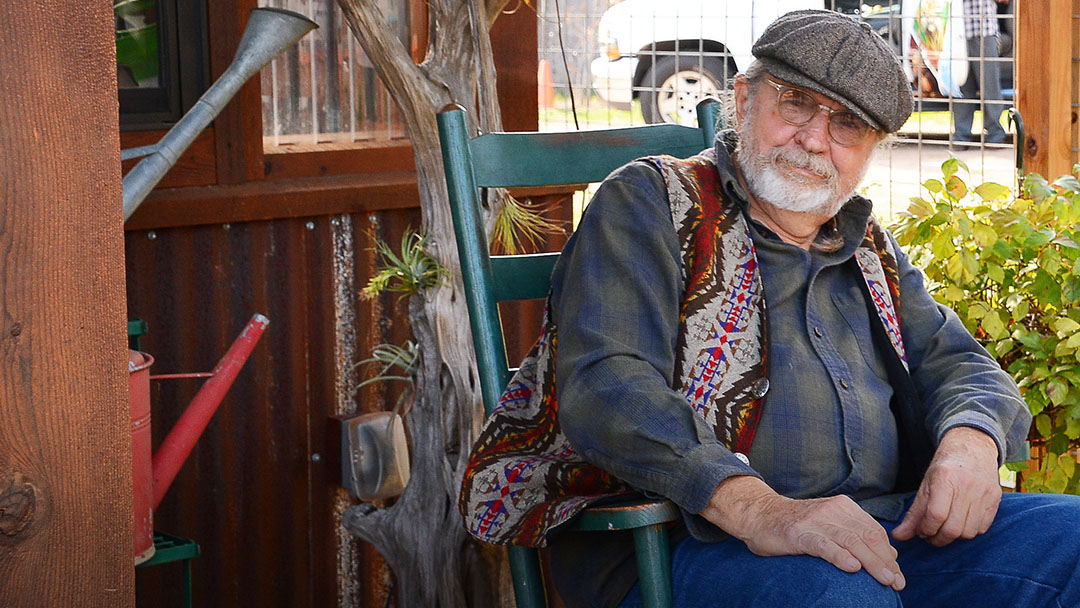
(742, 95)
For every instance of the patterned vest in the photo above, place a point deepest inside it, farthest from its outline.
(524, 478)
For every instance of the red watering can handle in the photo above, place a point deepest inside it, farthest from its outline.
(181, 440)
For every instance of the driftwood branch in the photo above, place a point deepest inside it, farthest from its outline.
(421, 535)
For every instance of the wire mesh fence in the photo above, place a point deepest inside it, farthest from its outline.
(608, 64)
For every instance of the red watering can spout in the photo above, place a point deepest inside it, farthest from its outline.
(176, 447)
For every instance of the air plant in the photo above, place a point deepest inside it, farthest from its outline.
(521, 226)
(408, 273)
(398, 364)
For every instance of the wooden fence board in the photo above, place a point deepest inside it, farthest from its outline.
(66, 520)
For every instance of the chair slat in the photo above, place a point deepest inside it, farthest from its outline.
(522, 277)
(538, 159)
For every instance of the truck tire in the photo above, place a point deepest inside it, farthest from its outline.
(674, 84)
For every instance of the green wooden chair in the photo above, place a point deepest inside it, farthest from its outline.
(541, 159)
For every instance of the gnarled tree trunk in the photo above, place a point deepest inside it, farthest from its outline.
(421, 536)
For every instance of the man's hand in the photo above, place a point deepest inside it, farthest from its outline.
(834, 529)
(959, 495)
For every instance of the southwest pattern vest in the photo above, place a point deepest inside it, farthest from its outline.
(524, 478)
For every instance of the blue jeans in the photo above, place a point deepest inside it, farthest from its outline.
(1028, 558)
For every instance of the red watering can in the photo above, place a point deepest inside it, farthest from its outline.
(152, 477)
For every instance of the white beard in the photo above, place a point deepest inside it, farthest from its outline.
(786, 190)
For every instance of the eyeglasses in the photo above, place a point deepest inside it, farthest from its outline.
(797, 107)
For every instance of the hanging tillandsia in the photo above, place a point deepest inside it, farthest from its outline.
(521, 227)
(407, 273)
(398, 363)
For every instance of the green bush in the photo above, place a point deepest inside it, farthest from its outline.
(1009, 265)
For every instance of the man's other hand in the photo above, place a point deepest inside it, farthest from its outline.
(834, 529)
(959, 495)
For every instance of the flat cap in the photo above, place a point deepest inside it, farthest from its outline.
(834, 55)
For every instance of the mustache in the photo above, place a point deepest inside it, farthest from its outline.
(801, 159)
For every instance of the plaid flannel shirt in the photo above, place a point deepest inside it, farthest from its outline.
(980, 18)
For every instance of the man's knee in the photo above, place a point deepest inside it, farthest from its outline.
(800, 581)
(815, 582)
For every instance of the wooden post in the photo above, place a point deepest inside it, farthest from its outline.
(66, 535)
(1044, 53)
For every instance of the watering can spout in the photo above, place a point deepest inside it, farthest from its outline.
(178, 444)
(269, 31)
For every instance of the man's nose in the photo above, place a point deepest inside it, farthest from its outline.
(814, 135)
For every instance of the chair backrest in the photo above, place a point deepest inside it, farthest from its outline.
(533, 159)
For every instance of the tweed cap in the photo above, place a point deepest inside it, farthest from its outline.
(834, 55)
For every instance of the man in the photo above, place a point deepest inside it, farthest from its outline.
(984, 74)
(843, 453)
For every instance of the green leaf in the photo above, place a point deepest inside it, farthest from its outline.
(1073, 341)
(1042, 425)
(1036, 187)
(920, 207)
(955, 294)
(952, 165)
(1066, 241)
(1068, 182)
(992, 192)
(978, 310)
(954, 268)
(956, 187)
(994, 327)
(1070, 290)
(1050, 260)
(1056, 391)
(942, 245)
(940, 217)
(1003, 249)
(971, 265)
(1038, 239)
(985, 236)
(933, 185)
(1046, 288)
(995, 273)
(1072, 428)
(1065, 325)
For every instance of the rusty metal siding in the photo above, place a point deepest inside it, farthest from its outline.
(256, 493)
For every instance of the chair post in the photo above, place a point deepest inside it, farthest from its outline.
(654, 565)
(529, 591)
(483, 311)
(473, 254)
(709, 119)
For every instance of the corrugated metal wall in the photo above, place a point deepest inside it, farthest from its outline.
(259, 492)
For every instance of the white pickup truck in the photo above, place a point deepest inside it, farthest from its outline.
(671, 53)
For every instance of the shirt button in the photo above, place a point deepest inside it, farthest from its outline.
(742, 458)
(817, 332)
(759, 388)
(844, 383)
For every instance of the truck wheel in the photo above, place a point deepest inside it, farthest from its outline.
(674, 84)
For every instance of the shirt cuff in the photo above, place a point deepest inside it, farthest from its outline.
(980, 421)
(700, 471)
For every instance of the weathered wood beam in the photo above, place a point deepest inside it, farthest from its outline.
(66, 536)
(1044, 56)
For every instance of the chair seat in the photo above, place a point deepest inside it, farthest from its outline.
(632, 512)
